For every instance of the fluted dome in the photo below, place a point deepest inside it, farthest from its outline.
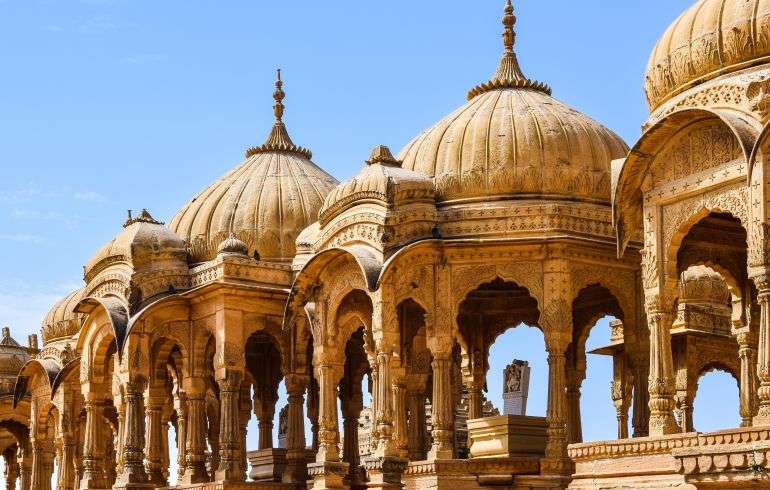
(711, 38)
(513, 139)
(381, 180)
(62, 320)
(142, 240)
(266, 201)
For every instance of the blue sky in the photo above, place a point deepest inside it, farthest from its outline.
(107, 105)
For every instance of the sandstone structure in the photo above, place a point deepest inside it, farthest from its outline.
(516, 388)
(514, 209)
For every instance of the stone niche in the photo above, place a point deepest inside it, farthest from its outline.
(507, 436)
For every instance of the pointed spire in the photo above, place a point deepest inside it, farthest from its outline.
(509, 74)
(279, 139)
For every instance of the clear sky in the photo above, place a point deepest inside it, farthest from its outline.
(108, 105)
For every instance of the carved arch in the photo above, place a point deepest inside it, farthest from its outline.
(627, 180)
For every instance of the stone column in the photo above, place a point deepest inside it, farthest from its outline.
(556, 460)
(11, 468)
(416, 433)
(154, 465)
(230, 469)
(244, 416)
(196, 430)
(264, 409)
(42, 464)
(661, 382)
(66, 476)
(620, 397)
(180, 404)
(763, 351)
(400, 439)
(442, 411)
(24, 456)
(133, 474)
(93, 474)
(351, 410)
(328, 471)
(748, 385)
(640, 401)
(296, 470)
(574, 423)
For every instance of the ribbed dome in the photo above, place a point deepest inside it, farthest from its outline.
(513, 138)
(62, 321)
(266, 201)
(381, 180)
(140, 241)
(711, 38)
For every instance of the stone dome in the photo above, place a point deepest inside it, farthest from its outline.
(232, 246)
(701, 284)
(711, 38)
(381, 180)
(266, 201)
(142, 240)
(62, 321)
(13, 356)
(513, 139)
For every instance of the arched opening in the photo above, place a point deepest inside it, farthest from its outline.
(715, 302)
(419, 377)
(484, 315)
(597, 320)
(164, 408)
(265, 386)
(717, 387)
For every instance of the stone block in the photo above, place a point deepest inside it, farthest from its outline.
(507, 436)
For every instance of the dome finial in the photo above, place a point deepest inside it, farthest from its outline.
(509, 74)
(278, 139)
(278, 95)
(509, 20)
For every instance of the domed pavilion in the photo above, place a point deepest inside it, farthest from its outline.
(277, 292)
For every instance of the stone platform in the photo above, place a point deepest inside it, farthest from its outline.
(460, 474)
(733, 458)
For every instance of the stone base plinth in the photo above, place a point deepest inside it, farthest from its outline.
(267, 465)
(462, 474)
(330, 474)
(232, 486)
(507, 436)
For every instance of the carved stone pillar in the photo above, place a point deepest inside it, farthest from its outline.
(400, 419)
(66, 476)
(296, 470)
(93, 474)
(416, 433)
(180, 404)
(328, 434)
(133, 474)
(42, 464)
(383, 406)
(328, 471)
(556, 460)
(230, 469)
(763, 351)
(244, 417)
(683, 401)
(264, 409)
(24, 457)
(661, 381)
(154, 439)
(747, 353)
(443, 411)
(640, 401)
(619, 393)
(351, 410)
(312, 413)
(574, 424)
(11, 468)
(196, 430)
